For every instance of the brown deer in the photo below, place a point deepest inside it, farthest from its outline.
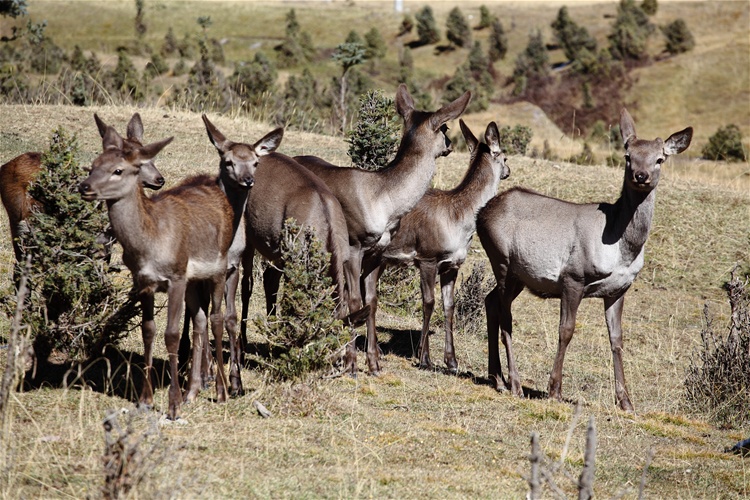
(572, 251)
(17, 175)
(237, 166)
(283, 189)
(171, 243)
(435, 235)
(374, 201)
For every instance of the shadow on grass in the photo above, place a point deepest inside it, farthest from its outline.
(116, 373)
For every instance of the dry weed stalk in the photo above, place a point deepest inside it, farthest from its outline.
(16, 345)
(125, 460)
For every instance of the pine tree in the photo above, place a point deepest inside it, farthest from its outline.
(426, 26)
(485, 18)
(630, 32)
(571, 37)
(679, 38)
(374, 139)
(498, 42)
(650, 7)
(375, 47)
(457, 29)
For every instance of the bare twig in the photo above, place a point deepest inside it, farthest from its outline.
(535, 458)
(586, 481)
(642, 486)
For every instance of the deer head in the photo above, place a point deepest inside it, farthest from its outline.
(491, 147)
(151, 178)
(428, 129)
(238, 160)
(116, 172)
(643, 159)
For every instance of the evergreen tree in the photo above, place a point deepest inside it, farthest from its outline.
(679, 38)
(650, 7)
(255, 80)
(354, 37)
(374, 139)
(140, 23)
(170, 45)
(375, 47)
(407, 25)
(293, 27)
(498, 42)
(531, 64)
(630, 32)
(457, 29)
(571, 37)
(485, 18)
(406, 65)
(478, 62)
(426, 26)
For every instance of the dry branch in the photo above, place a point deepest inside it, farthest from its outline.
(586, 481)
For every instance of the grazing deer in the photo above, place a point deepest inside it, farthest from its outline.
(283, 189)
(17, 175)
(237, 165)
(572, 251)
(435, 235)
(375, 202)
(171, 243)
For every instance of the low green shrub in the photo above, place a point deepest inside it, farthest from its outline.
(303, 335)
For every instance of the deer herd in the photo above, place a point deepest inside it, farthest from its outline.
(192, 240)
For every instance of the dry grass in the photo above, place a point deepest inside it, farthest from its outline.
(412, 433)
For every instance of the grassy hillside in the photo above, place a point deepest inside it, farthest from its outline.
(407, 433)
(708, 87)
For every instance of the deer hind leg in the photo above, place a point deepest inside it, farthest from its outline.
(217, 327)
(195, 306)
(571, 298)
(427, 275)
(352, 269)
(613, 315)
(447, 286)
(245, 292)
(148, 332)
(271, 282)
(230, 323)
(512, 289)
(492, 309)
(370, 275)
(175, 304)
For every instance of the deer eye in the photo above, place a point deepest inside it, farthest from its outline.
(118, 171)
(660, 161)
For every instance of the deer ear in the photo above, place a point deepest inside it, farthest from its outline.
(678, 142)
(471, 141)
(135, 128)
(100, 125)
(269, 142)
(492, 137)
(216, 137)
(110, 138)
(404, 102)
(627, 127)
(148, 151)
(450, 111)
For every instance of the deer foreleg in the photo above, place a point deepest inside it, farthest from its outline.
(148, 332)
(371, 274)
(427, 275)
(175, 304)
(230, 323)
(447, 287)
(246, 291)
(569, 302)
(271, 282)
(217, 328)
(613, 315)
(195, 307)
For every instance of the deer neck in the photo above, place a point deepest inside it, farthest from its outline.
(132, 221)
(237, 197)
(407, 177)
(632, 222)
(478, 186)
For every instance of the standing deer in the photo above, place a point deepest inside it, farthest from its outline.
(171, 243)
(237, 166)
(435, 235)
(17, 175)
(284, 189)
(572, 251)
(375, 202)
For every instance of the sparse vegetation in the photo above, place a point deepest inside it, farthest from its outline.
(725, 144)
(718, 378)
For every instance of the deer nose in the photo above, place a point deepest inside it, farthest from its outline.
(248, 181)
(160, 180)
(641, 178)
(84, 188)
